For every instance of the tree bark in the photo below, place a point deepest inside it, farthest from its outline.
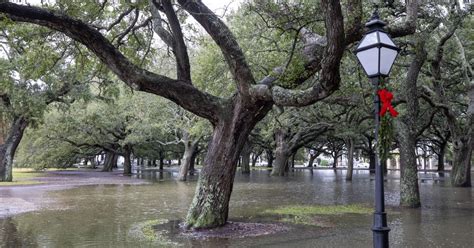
(270, 158)
(282, 153)
(245, 154)
(127, 164)
(383, 163)
(109, 161)
(162, 160)
(93, 162)
(192, 168)
(442, 151)
(350, 159)
(190, 147)
(293, 160)
(210, 206)
(335, 158)
(371, 161)
(8, 150)
(461, 172)
(312, 157)
(115, 161)
(409, 192)
(254, 159)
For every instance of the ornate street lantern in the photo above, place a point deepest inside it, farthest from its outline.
(376, 52)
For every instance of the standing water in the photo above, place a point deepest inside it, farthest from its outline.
(104, 215)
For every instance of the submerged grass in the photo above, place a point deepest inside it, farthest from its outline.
(145, 231)
(321, 210)
(315, 214)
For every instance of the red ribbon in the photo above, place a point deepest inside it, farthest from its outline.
(386, 99)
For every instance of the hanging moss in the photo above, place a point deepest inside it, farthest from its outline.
(386, 136)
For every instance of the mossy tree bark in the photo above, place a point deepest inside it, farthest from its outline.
(210, 205)
(245, 154)
(409, 192)
(7, 150)
(461, 128)
(282, 152)
(288, 143)
(408, 127)
(270, 158)
(110, 161)
(461, 172)
(441, 153)
(127, 163)
(189, 155)
(350, 159)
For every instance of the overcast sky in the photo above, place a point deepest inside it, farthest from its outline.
(217, 6)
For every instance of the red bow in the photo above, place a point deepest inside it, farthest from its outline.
(386, 99)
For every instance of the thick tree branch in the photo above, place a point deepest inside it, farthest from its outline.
(180, 92)
(226, 41)
(158, 27)
(354, 26)
(179, 48)
(329, 64)
(408, 26)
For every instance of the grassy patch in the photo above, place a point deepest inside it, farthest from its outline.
(300, 210)
(315, 214)
(145, 231)
(23, 176)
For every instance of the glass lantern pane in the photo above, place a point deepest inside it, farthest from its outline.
(385, 39)
(369, 59)
(387, 58)
(368, 40)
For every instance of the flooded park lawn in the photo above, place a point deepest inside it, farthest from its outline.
(103, 214)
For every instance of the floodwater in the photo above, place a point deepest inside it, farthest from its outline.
(103, 215)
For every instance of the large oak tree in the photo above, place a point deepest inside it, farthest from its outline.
(232, 118)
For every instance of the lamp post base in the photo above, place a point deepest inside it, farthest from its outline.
(380, 230)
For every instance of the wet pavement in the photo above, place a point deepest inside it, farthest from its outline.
(102, 214)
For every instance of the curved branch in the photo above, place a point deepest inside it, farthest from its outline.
(329, 64)
(180, 92)
(179, 48)
(354, 25)
(408, 26)
(226, 41)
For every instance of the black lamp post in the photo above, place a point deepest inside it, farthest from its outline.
(376, 53)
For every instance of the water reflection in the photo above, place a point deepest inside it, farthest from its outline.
(102, 215)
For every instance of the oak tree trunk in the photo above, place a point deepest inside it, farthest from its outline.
(245, 154)
(350, 160)
(312, 157)
(255, 158)
(190, 148)
(282, 153)
(127, 164)
(109, 161)
(210, 206)
(461, 172)
(409, 192)
(270, 158)
(192, 163)
(442, 151)
(115, 161)
(372, 162)
(8, 150)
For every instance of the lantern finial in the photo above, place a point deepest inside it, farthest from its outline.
(375, 22)
(375, 14)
